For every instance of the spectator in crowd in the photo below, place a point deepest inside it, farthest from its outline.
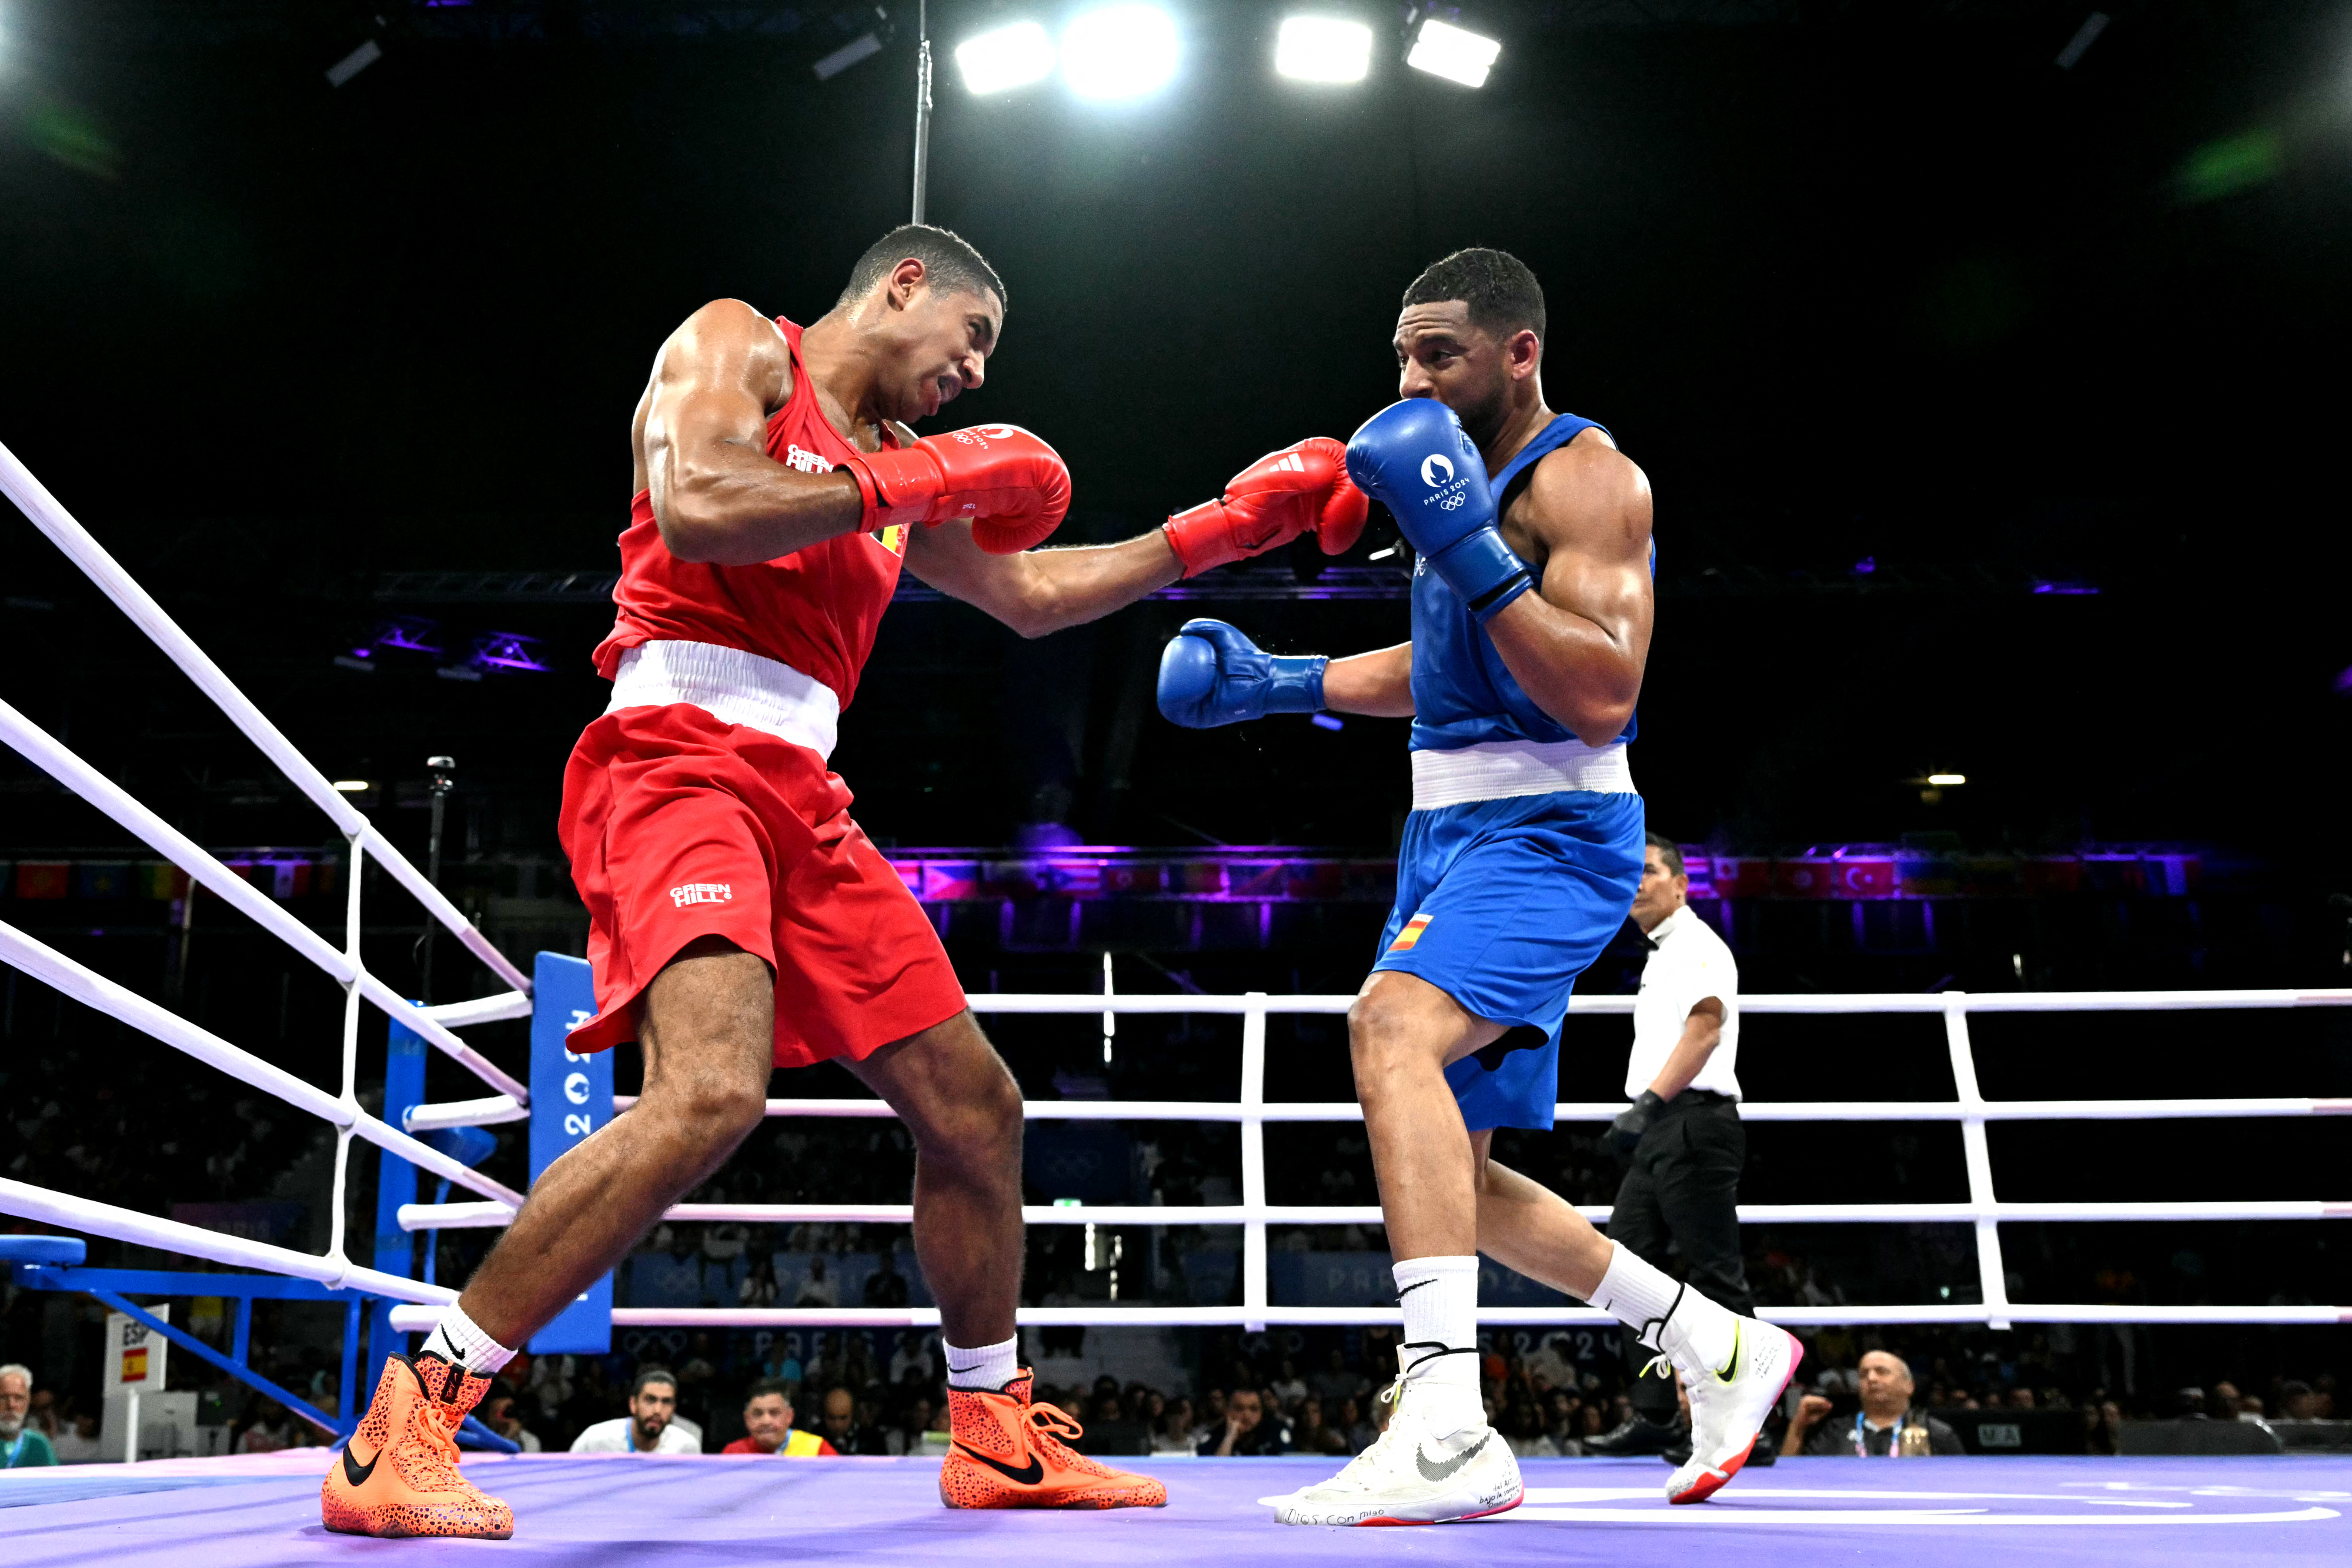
(857, 1369)
(1288, 1387)
(2103, 1427)
(886, 1287)
(768, 1427)
(1523, 1428)
(78, 1443)
(23, 1445)
(498, 1413)
(827, 1363)
(1312, 1434)
(649, 1427)
(269, 1429)
(1560, 1411)
(1547, 1361)
(1251, 1429)
(913, 1355)
(2297, 1401)
(1681, 1139)
(1336, 1381)
(779, 1362)
(42, 1414)
(1877, 1431)
(1363, 1431)
(818, 1289)
(873, 1438)
(837, 1419)
(906, 1437)
(759, 1288)
(1174, 1433)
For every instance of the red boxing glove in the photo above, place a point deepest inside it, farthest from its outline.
(1012, 487)
(1299, 489)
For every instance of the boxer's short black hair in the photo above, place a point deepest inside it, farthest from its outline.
(947, 257)
(1668, 851)
(1502, 294)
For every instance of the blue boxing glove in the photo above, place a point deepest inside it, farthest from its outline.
(1210, 674)
(1415, 458)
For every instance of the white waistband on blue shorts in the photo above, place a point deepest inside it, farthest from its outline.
(732, 686)
(1499, 769)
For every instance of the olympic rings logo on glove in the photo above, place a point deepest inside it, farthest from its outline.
(1449, 503)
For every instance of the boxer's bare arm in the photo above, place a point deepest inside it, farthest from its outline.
(1578, 646)
(1378, 684)
(702, 447)
(1042, 590)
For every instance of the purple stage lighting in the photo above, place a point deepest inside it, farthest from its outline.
(507, 651)
(1329, 721)
(2048, 585)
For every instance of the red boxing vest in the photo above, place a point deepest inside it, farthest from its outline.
(816, 609)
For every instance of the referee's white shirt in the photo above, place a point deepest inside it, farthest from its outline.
(1688, 964)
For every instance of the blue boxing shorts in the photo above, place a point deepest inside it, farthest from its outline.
(1501, 904)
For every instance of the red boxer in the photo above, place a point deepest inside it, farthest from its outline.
(739, 918)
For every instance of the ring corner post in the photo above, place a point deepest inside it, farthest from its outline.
(571, 1098)
(395, 1184)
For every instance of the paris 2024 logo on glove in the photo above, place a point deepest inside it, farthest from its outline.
(1437, 473)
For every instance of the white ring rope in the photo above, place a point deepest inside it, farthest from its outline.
(93, 989)
(1252, 1111)
(342, 1111)
(47, 514)
(38, 747)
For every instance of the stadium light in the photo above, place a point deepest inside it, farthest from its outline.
(1946, 781)
(1452, 53)
(352, 786)
(1006, 58)
(1323, 49)
(1119, 52)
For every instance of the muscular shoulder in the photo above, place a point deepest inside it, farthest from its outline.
(1589, 496)
(728, 341)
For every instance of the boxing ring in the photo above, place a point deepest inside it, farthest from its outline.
(576, 1508)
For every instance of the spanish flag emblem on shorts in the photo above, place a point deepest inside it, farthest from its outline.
(1410, 935)
(892, 538)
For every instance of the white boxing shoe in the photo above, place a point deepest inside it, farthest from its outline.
(1728, 1408)
(1411, 1476)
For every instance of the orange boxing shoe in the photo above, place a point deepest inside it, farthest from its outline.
(398, 1474)
(1006, 1452)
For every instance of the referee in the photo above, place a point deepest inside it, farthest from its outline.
(1681, 1139)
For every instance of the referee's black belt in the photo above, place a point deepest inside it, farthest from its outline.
(1696, 1100)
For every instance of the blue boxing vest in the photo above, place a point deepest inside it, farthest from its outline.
(1461, 693)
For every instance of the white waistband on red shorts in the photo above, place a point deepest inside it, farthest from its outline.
(732, 686)
(1499, 769)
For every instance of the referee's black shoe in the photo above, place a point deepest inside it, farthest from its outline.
(1638, 1437)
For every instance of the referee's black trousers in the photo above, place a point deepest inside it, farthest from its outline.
(1683, 1187)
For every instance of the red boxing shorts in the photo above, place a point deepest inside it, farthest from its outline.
(680, 825)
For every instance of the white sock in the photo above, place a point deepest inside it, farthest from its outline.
(1696, 1334)
(459, 1340)
(1440, 1352)
(989, 1366)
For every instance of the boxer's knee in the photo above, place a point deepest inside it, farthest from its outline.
(1388, 1030)
(713, 1109)
(957, 1100)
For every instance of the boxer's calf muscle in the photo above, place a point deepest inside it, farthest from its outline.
(707, 1031)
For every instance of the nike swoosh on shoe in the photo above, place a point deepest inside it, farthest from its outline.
(1444, 1469)
(355, 1472)
(1027, 1477)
